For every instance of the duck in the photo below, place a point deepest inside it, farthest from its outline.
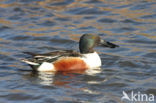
(70, 60)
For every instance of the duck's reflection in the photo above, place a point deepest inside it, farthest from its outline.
(62, 78)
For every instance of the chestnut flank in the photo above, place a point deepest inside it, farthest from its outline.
(70, 64)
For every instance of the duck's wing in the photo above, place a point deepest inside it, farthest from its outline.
(38, 59)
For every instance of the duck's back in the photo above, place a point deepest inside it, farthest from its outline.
(65, 60)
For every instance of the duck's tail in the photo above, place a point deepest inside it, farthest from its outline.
(29, 62)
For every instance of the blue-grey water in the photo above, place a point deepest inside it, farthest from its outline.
(46, 25)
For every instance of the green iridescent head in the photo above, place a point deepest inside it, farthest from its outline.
(89, 41)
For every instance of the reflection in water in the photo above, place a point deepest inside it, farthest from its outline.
(70, 81)
(51, 78)
(46, 78)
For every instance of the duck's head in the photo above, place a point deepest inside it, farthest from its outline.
(89, 41)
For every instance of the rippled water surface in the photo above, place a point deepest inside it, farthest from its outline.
(47, 25)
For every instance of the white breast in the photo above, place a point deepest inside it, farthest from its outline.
(92, 60)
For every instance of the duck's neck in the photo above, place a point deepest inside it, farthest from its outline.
(92, 59)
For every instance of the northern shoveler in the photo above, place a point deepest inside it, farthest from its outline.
(69, 60)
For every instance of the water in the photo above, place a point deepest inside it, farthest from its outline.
(46, 25)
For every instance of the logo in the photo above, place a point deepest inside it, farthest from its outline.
(137, 97)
